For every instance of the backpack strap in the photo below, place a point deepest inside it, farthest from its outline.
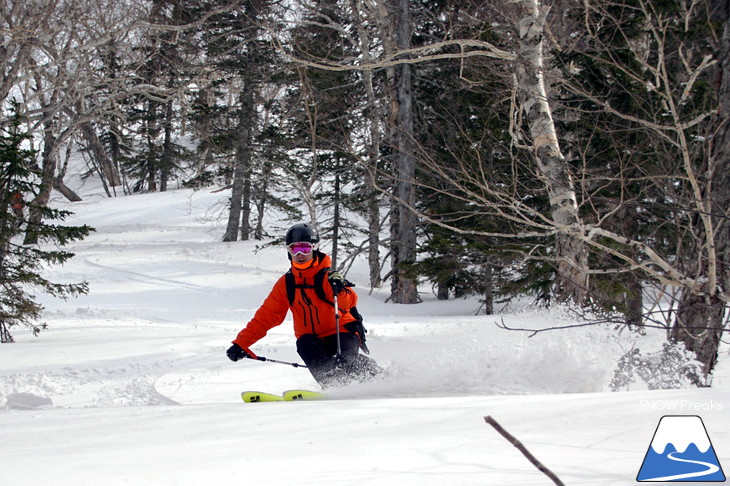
(292, 286)
(319, 285)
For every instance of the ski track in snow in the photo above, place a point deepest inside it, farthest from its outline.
(145, 277)
(92, 387)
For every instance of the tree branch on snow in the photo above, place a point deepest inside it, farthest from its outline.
(533, 460)
(534, 332)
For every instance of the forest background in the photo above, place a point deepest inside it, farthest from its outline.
(571, 151)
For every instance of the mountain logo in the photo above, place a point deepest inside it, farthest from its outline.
(681, 451)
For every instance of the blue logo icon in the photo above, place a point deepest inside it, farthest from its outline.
(681, 451)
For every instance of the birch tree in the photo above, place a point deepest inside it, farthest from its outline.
(530, 83)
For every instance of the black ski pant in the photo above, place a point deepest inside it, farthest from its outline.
(320, 356)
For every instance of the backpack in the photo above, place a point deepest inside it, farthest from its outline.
(356, 327)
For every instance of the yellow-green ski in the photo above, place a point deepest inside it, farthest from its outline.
(255, 397)
(291, 395)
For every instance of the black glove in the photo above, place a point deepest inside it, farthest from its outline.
(236, 352)
(337, 281)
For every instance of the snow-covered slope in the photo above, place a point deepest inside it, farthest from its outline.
(130, 384)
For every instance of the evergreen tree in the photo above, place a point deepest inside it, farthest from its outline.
(467, 157)
(236, 114)
(155, 115)
(21, 266)
(327, 105)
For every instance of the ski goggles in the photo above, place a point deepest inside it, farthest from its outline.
(300, 247)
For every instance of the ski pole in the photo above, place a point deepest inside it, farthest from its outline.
(296, 365)
(337, 326)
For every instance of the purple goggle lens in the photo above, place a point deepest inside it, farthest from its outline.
(300, 247)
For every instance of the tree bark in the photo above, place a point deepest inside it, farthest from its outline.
(442, 291)
(241, 170)
(166, 158)
(336, 218)
(66, 191)
(699, 325)
(404, 289)
(96, 149)
(5, 336)
(571, 255)
(261, 201)
(489, 292)
(204, 132)
(49, 161)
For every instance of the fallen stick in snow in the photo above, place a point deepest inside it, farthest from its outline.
(513, 440)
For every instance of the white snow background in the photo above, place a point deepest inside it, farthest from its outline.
(130, 383)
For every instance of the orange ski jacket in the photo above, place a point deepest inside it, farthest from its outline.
(310, 313)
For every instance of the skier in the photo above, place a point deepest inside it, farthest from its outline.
(310, 289)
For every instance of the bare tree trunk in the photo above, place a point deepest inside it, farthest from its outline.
(404, 289)
(151, 129)
(167, 156)
(5, 336)
(48, 169)
(96, 149)
(489, 292)
(66, 191)
(442, 291)
(634, 300)
(374, 229)
(204, 133)
(699, 325)
(261, 201)
(234, 210)
(58, 183)
(572, 259)
(336, 219)
(242, 163)
(246, 203)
